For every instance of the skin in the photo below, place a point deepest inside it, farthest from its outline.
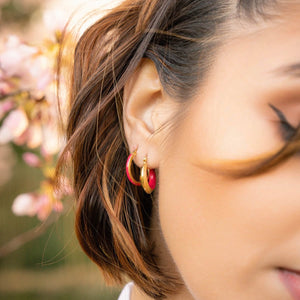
(224, 237)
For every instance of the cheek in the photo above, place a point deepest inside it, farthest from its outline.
(229, 128)
(204, 234)
(227, 236)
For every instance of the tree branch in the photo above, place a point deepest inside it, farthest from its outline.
(26, 237)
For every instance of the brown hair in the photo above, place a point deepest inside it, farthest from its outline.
(112, 215)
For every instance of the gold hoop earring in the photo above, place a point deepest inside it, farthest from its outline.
(128, 169)
(147, 178)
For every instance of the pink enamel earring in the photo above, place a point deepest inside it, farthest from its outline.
(147, 176)
(128, 169)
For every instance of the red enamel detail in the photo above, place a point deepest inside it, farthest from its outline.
(152, 179)
(127, 171)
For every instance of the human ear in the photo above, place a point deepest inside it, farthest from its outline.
(145, 108)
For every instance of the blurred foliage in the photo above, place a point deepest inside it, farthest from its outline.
(18, 12)
(52, 266)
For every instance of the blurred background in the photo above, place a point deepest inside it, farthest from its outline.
(40, 257)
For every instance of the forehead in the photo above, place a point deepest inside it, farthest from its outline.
(254, 9)
(264, 14)
(265, 44)
(251, 61)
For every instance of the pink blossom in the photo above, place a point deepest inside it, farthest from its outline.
(25, 204)
(21, 139)
(15, 54)
(40, 71)
(58, 206)
(27, 63)
(5, 88)
(5, 105)
(31, 159)
(13, 125)
(30, 204)
(51, 143)
(34, 135)
(44, 206)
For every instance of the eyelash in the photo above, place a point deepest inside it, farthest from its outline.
(286, 129)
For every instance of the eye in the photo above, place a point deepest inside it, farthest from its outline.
(286, 129)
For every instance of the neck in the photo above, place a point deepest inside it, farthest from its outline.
(138, 294)
(164, 260)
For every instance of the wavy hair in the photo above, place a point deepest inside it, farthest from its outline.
(181, 38)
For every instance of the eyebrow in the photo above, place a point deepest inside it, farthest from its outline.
(292, 70)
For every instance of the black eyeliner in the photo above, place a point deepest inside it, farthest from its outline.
(287, 129)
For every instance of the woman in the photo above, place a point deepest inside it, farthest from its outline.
(183, 134)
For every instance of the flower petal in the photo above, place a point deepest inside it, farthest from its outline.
(31, 159)
(35, 135)
(44, 207)
(14, 125)
(25, 204)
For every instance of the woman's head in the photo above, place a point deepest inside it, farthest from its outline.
(194, 86)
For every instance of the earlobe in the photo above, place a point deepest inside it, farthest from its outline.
(142, 99)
